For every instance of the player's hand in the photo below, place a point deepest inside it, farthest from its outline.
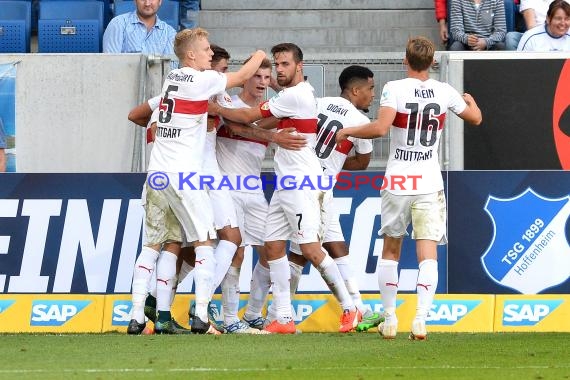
(341, 136)
(274, 85)
(288, 138)
(213, 108)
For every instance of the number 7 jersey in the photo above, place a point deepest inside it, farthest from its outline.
(421, 107)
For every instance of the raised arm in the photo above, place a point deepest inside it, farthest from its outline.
(240, 115)
(237, 78)
(472, 113)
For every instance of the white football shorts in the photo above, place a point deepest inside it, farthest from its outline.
(191, 208)
(426, 212)
(251, 210)
(297, 215)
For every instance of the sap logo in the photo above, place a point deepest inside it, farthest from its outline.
(121, 313)
(527, 313)
(55, 313)
(377, 307)
(4, 304)
(449, 312)
(303, 308)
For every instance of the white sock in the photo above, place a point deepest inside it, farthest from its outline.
(330, 273)
(296, 272)
(426, 286)
(347, 274)
(224, 253)
(230, 296)
(165, 279)
(144, 268)
(185, 270)
(175, 283)
(280, 275)
(260, 283)
(203, 277)
(388, 284)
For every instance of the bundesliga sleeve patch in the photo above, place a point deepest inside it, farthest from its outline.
(264, 108)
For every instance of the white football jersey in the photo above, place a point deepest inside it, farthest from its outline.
(238, 156)
(181, 128)
(211, 165)
(414, 137)
(296, 107)
(334, 114)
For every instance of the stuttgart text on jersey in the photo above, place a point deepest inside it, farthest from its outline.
(410, 155)
(168, 132)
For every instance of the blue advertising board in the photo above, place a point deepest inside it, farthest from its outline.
(508, 232)
(81, 233)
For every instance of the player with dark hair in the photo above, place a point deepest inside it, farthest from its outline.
(295, 213)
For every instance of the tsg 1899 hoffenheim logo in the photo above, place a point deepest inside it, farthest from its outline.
(529, 251)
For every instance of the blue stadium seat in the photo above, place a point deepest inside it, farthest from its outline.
(510, 14)
(15, 26)
(107, 12)
(169, 11)
(70, 26)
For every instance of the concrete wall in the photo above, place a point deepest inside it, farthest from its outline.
(71, 111)
(318, 26)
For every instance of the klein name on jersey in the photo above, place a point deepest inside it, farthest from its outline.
(423, 93)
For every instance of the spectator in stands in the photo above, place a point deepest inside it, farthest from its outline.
(441, 17)
(140, 31)
(534, 14)
(551, 35)
(2, 147)
(477, 25)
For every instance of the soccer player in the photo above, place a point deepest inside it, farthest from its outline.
(240, 151)
(335, 113)
(294, 213)
(413, 111)
(173, 194)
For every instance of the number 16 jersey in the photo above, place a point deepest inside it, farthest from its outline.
(421, 108)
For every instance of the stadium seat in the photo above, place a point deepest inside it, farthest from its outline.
(15, 26)
(70, 26)
(107, 12)
(169, 11)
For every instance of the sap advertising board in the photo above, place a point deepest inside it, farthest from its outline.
(80, 233)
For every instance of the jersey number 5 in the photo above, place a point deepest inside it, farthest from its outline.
(427, 121)
(167, 106)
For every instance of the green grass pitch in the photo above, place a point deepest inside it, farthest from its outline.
(305, 356)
